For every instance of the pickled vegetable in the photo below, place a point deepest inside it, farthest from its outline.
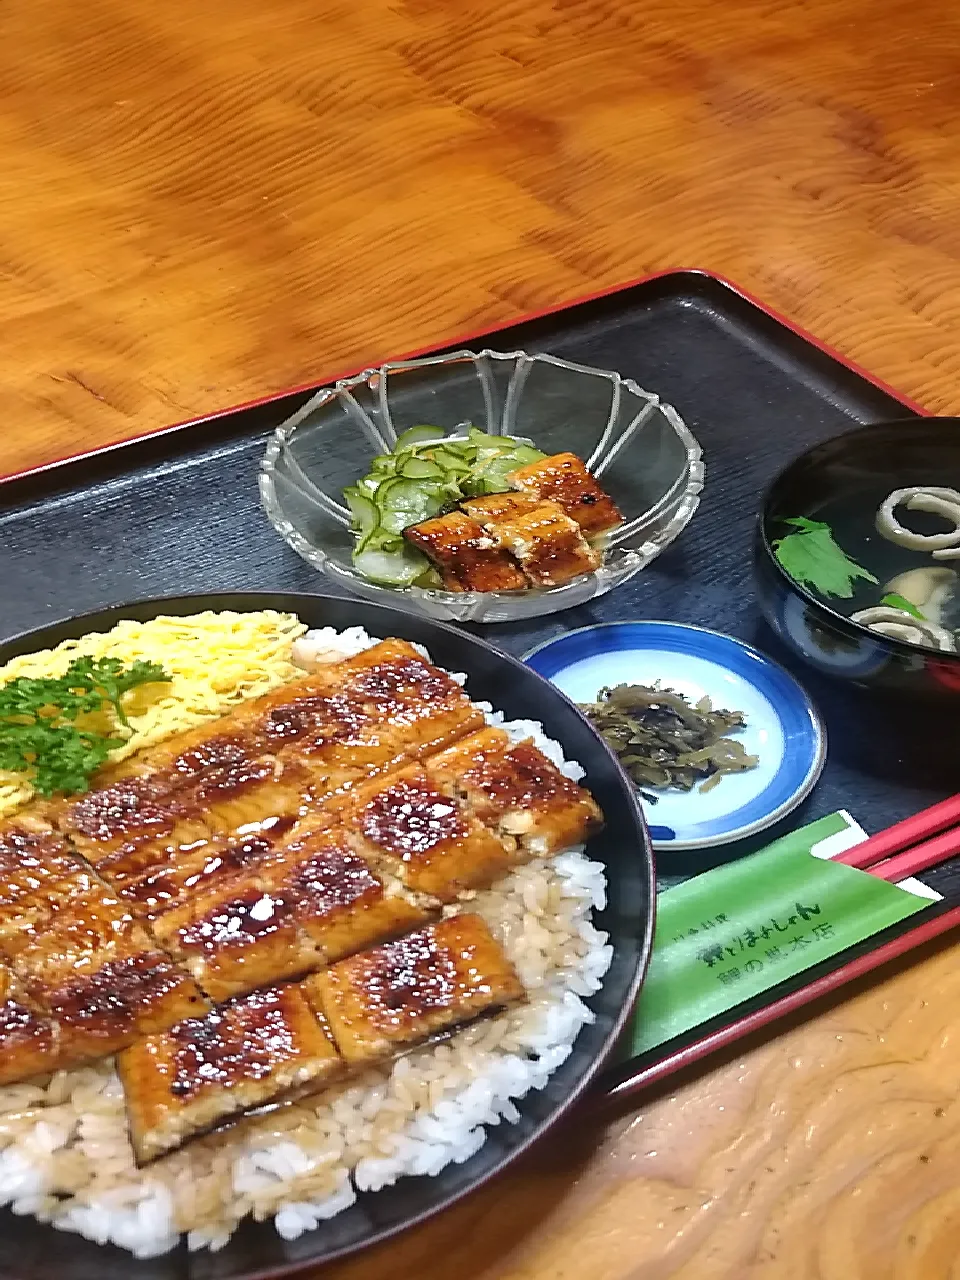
(662, 740)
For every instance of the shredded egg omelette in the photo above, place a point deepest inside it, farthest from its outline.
(215, 661)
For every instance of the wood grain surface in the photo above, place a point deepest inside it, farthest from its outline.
(203, 201)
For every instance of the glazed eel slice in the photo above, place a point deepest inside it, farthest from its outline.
(404, 845)
(211, 896)
(390, 999)
(205, 1071)
(303, 904)
(76, 958)
(256, 772)
(300, 1038)
(564, 479)
(515, 791)
(466, 555)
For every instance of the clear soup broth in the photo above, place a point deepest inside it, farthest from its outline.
(934, 592)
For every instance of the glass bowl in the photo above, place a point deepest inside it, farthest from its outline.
(638, 448)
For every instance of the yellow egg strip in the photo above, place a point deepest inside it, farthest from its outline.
(216, 660)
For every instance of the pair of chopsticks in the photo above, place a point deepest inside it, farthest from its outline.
(907, 848)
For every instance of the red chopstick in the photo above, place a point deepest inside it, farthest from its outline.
(902, 835)
(920, 858)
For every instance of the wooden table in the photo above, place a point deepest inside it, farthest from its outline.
(204, 201)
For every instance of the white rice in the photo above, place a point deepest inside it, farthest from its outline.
(64, 1153)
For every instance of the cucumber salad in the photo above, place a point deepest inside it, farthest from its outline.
(423, 476)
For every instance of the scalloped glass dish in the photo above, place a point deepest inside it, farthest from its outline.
(638, 447)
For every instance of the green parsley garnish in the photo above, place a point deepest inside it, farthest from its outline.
(38, 733)
(812, 558)
(895, 601)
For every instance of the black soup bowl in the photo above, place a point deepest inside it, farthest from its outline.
(843, 482)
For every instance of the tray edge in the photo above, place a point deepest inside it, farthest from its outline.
(626, 1084)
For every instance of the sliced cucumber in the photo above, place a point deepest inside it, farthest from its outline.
(417, 435)
(483, 440)
(425, 475)
(472, 485)
(402, 502)
(414, 468)
(384, 464)
(391, 568)
(450, 458)
(497, 446)
(450, 495)
(493, 482)
(524, 454)
(383, 540)
(364, 511)
(493, 477)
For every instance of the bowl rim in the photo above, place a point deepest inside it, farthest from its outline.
(183, 604)
(616, 558)
(842, 623)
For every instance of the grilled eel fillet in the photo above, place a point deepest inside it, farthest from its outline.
(79, 934)
(380, 860)
(336, 813)
(535, 534)
(547, 544)
(307, 902)
(263, 766)
(80, 976)
(204, 1071)
(505, 542)
(516, 792)
(466, 555)
(302, 1037)
(565, 480)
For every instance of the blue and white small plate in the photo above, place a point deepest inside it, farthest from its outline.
(783, 727)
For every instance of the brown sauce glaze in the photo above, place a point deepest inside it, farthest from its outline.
(224, 781)
(29, 859)
(170, 884)
(322, 718)
(411, 818)
(333, 879)
(406, 979)
(392, 685)
(241, 922)
(452, 541)
(521, 778)
(21, 1023)
(29, 1041)
(237, 1041)
(84, 919)
(146, 808)
(117, 996)
(565, 480)
(277, 826)
(220, 752)
(555, 550)
(127, 809)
